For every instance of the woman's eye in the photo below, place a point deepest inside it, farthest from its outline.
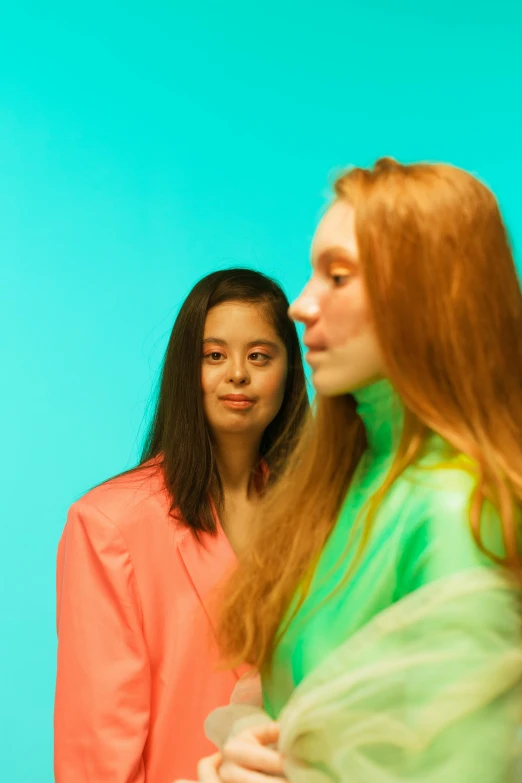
(340, 279)
(214, 355)
(258, 356)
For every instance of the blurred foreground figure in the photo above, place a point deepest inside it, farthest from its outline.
(381, 598)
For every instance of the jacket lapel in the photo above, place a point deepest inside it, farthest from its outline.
(208, 563)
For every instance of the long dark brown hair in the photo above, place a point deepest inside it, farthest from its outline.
(178, 436)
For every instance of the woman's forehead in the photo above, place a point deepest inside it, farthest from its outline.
(335, 233)
(239, 322)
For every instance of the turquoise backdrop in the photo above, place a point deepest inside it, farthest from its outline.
(143, 145)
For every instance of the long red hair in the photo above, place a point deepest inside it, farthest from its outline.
(447, 308)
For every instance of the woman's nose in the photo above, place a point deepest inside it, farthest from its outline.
(239, 373)
(305, 308)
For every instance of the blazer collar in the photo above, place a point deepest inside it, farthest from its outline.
(208, 562)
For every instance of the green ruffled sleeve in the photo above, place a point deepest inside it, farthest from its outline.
(429, 692)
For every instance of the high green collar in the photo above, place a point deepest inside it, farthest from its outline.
(382, 414)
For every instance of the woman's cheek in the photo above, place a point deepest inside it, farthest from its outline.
(208, 379)
(349, 317)
(273, 385)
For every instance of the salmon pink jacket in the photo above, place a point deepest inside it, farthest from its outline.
(138, 667)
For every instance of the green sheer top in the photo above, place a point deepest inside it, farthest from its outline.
(410, 670)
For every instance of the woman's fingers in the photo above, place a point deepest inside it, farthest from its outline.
(266, 734)
(232, 773)
(208, 769)
(246, 759)
(246, 753)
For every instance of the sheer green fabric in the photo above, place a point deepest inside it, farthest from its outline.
(429, 691)
(410, 669)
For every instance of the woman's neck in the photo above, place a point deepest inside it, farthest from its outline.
(382, 414)
(237, 458)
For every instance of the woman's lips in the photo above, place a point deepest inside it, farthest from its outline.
(314, 346)
(313, 352)
(237, 401)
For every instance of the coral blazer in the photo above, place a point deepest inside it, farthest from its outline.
(137, 660)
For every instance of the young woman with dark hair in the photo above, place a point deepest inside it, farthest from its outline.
(141, 554)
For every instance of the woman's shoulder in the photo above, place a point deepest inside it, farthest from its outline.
(129, 500)
(437, 525)
(444, 486)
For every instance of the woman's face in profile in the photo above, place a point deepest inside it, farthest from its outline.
(244, 369)
(343, 351)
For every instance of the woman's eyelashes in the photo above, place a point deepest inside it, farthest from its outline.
(214, 356)
(340, 276)
(257, 357)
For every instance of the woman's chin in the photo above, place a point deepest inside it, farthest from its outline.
(334, 384)
(327, 384)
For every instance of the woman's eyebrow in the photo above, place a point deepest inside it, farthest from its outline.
(214, 340)
(250, 344)
(334, 255)
(261, 341)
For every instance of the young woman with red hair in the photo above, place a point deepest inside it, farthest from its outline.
(381, 598)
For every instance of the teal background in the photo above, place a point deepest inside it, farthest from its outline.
(144, 145)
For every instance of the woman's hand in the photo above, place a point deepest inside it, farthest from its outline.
(208, 770)
(246, 758)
